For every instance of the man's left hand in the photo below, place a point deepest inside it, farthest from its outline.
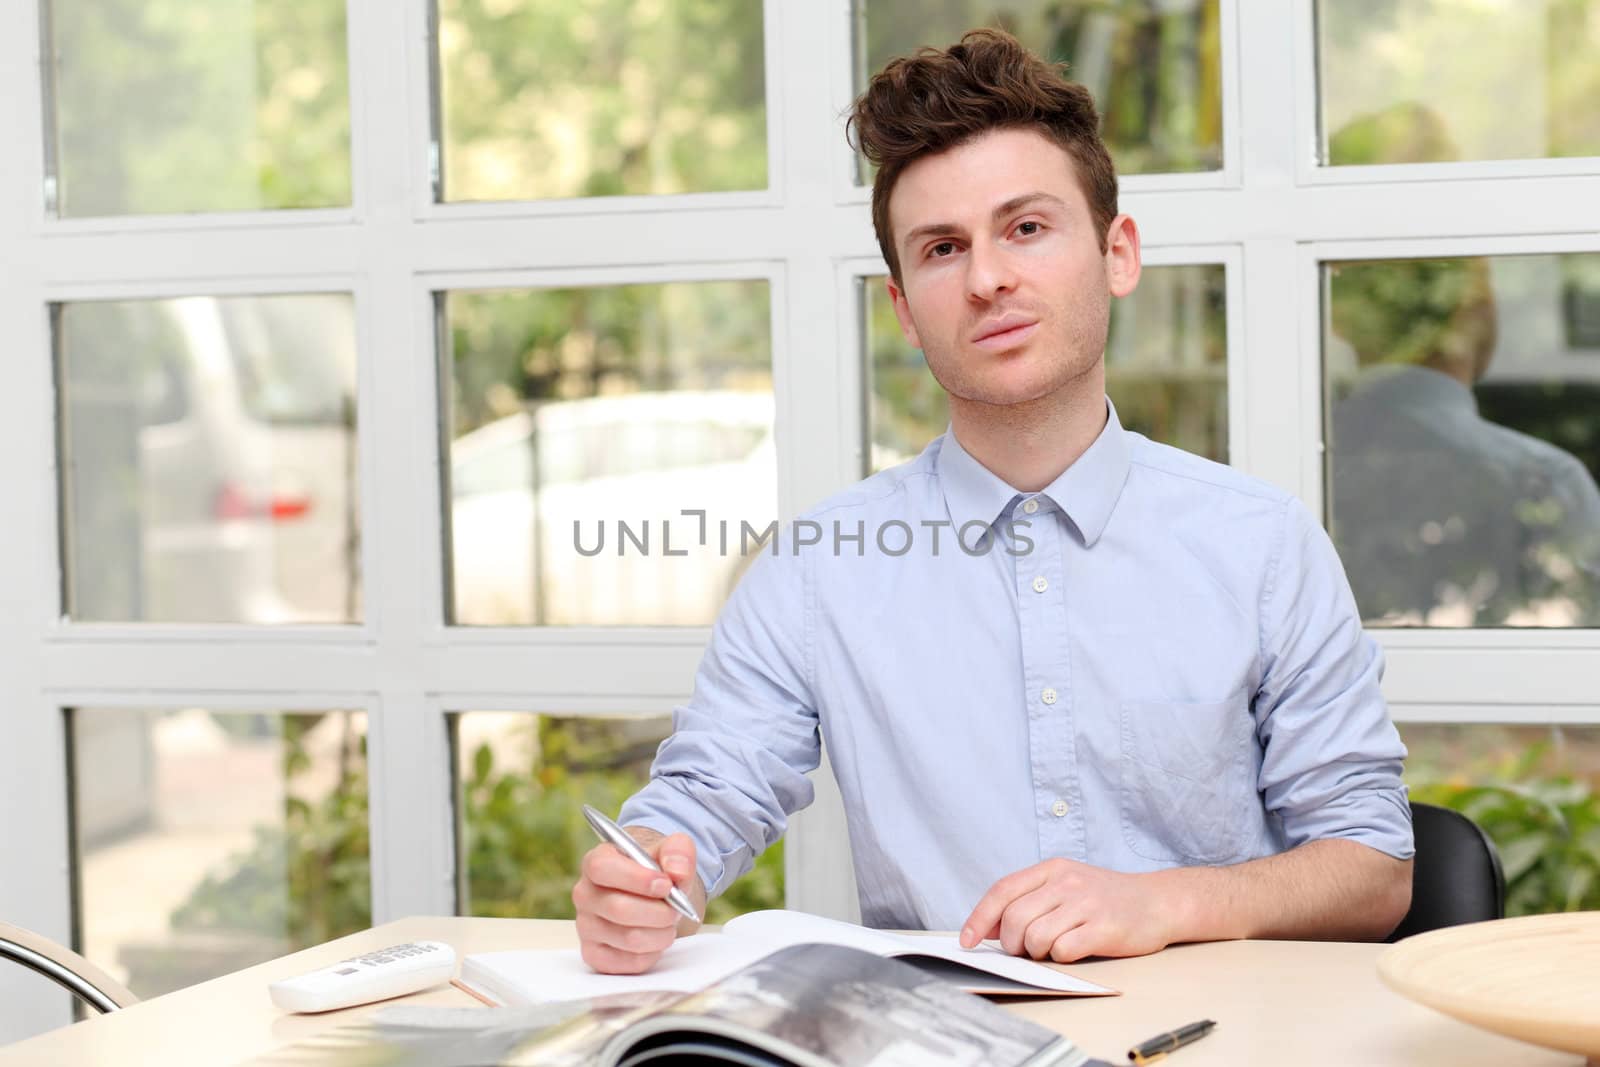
(1062, 910)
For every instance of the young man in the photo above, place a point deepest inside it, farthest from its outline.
(1083, 693)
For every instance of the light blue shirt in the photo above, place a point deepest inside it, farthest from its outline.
(1156, 663)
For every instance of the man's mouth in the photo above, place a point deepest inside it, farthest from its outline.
(1005, 334)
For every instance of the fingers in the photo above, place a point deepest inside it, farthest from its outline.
(676, 856)
(1042, 908)
(624, 922)
(608, 868)
(615, 949)
(985, 920)
(1041, 935)
(620, 908)
(1074, 944)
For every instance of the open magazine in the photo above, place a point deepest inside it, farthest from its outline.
(811, 1005)
(538, 976)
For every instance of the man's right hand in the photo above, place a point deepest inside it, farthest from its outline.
(624, 920)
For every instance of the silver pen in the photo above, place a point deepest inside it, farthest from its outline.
(613, 834)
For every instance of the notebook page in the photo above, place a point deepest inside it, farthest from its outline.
(781, 928)
(545, 976)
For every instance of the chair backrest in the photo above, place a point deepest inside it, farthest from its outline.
(1456, 877)
(64, 967)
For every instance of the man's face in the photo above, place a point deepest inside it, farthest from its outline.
(1002, 282)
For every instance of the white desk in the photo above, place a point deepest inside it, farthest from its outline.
(1277, 1003)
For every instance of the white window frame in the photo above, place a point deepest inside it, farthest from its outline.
(1271, 215)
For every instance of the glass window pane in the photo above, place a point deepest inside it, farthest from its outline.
(1155, 69)
(521, 782)
(1535, 790)
(208, 459)
(171, 106)
(608, 97)
(1462, 440)
(1404, 81)
(584, 422)
(1166, 368)
(209, 840)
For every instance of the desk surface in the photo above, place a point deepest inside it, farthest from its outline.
(1276, 1002)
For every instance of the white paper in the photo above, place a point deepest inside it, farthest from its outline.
(692, 963)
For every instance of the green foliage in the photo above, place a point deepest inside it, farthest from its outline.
(1155, 68)
(516, 348)
(525, 833)
(308, 879)
(547, 98)
(177, 106)
(1546, 826)
(1447, 57)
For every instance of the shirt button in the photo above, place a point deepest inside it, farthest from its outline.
(1030, 506)
(1048, 696)
(1059, 808)
(1040, 585)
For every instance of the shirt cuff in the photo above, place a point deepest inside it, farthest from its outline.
(1377, 818)
(665, 810)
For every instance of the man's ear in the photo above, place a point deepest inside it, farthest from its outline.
(1122, 255)
(902, 311)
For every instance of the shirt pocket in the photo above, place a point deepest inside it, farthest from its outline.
(1188, 792)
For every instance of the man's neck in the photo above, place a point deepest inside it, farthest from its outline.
(1028, 445)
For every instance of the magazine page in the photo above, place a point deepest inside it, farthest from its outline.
(565, 1034)
(832, 1006)
(1010, 974)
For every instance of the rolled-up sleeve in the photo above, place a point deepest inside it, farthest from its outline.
(1331, 757)
(735, 766)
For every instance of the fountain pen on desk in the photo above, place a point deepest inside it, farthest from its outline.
(1157, 1047)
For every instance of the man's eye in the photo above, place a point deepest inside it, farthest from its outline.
(942, 249)
(1028, 228)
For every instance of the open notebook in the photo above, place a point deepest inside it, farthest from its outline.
(515, 979)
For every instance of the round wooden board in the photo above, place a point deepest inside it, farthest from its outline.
(1536, 978)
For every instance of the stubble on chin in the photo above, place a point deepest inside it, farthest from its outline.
(1070, 371)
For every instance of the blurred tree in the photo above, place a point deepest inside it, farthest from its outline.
(171, 106)
(524, 831)
(546, 98)
(1534, 57)
(1154, 66)
(307, 879)
(522, 835)
(511, 349)
(1545, 824)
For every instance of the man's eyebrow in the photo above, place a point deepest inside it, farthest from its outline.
(950, 229)
(1016, 203)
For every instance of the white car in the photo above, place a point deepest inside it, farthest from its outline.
(534, 493)
(211, 445)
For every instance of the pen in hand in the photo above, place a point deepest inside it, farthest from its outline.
(1157, 1047)
(613, 834)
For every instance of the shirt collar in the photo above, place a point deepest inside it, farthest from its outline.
(1086, 492)
(972, 492)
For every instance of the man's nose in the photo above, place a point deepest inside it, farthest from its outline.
(989, 272)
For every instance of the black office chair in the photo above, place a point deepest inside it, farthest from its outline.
(1456, 877)
(64, 967)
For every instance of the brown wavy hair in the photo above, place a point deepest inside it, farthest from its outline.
(932, 100)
